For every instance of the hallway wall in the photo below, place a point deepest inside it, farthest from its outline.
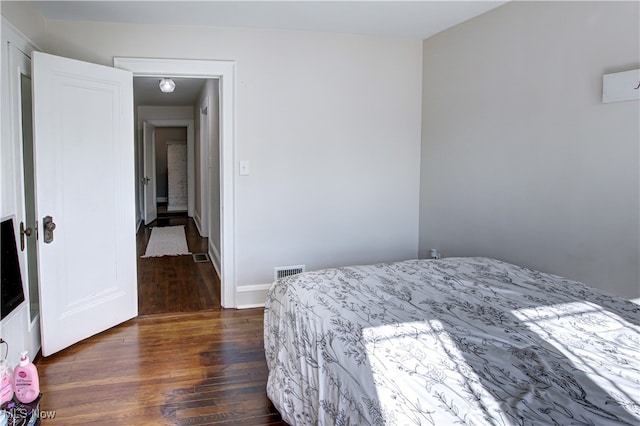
(212, 211)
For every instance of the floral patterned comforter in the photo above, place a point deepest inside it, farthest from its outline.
(453, 341)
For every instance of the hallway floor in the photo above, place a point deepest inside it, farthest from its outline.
(175, 284)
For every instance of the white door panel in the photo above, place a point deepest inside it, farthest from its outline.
(84, 161)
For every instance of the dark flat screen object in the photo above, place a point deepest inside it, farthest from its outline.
(11, 287)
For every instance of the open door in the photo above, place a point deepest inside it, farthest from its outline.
(149, 179)
(85, 198)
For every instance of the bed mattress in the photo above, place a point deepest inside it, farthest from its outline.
(452, 341)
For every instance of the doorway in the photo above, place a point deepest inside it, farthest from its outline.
(171, 284)
(175, 141)
(224, 72)
(155, 142)
(171, 169)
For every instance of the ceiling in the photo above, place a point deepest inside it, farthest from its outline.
(407, 19)
(147, 92)
(403, 19)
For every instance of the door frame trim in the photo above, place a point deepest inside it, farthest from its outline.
(204, 142)
(148, 171)
(20, 64)
(225, 71)
(190, 126)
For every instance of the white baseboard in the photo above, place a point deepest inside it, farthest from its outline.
(248, 296)
(251, 296)
(196, 219)
(162, 199)
(214, 255)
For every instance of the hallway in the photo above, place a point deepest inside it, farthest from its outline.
(175, 284)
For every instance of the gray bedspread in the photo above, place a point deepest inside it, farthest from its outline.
(469, 341)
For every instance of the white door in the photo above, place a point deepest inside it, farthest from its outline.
(84, 162)
(149, 179)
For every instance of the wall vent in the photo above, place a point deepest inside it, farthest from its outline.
(287, 271)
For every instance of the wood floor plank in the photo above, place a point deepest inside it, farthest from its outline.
(201, 368)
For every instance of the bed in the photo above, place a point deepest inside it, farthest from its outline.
(470, 341)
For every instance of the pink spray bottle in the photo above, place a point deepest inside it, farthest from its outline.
(6, 378)
(6, 381)
(26, 384)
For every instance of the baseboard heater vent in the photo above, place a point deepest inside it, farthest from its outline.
(287, 271)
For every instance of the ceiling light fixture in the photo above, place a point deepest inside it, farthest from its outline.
(167, 85)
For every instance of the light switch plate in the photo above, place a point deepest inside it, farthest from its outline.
(244, 168)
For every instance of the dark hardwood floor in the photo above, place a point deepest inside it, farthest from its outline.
(183, 361)
(204, 368)
(172, 284)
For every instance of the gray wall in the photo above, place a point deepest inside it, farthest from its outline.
(520, 159)
(329, 122)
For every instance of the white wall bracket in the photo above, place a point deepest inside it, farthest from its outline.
(621, 86)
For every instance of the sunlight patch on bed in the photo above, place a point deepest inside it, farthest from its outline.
(597, 337)
(415, 366)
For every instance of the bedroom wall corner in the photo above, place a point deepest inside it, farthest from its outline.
(521, 160)
(26, 19)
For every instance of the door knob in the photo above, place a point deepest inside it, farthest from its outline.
(49, 226)
(24, 231)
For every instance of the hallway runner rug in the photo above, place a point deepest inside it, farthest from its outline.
(167, 241)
